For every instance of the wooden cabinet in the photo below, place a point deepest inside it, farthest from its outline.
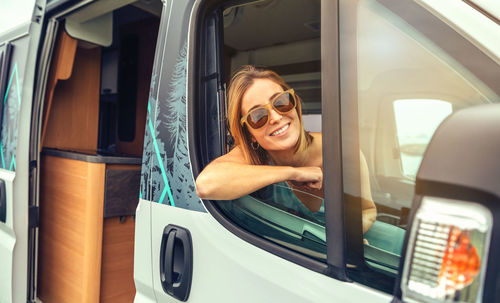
(87, 201)
(85, 256)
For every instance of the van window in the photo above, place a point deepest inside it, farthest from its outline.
(425, 113)
(283, 36)
(409, 77)
(12, 64)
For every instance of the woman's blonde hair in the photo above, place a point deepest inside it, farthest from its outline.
(240, 83)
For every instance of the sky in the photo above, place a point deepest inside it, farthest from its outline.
(14, 12)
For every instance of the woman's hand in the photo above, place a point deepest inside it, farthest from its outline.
(231, 176)
(309, 176)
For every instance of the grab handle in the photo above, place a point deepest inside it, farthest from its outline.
(3, 202)
(176, 261)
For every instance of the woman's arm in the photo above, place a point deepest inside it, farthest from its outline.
(369, 211)
(231, 176)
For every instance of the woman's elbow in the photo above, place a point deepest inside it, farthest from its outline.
(203, 187)
(369, 216)
(200, 191)
(206, 187)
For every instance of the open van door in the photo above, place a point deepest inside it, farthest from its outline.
(18, 51)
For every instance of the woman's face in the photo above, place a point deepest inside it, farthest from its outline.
(281, 131)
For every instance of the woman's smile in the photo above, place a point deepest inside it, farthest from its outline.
(280, 131)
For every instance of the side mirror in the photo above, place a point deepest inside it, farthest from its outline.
(450, 248)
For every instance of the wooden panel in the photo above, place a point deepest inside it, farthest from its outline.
(60, 69)
(74, 115)
(147, 32)
(117, 278)
(93, 231)
(123, 166)
(70, 234)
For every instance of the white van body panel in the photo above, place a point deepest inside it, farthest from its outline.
(142, 254)
(18, 12)
(8, 248)
(226, 267)
(483, 32)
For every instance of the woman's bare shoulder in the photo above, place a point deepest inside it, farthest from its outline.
(316, 153)
(317, 139)
(316, 135)
(235, 155)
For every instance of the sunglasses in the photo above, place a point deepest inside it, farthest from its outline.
(282, 103)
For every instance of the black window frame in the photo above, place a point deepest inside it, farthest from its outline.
(348, 97)
(335, 265)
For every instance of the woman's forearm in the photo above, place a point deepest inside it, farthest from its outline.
(229, 180)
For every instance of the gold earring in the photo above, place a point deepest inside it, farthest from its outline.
(254, 147)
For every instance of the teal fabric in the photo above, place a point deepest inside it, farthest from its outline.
(385, 236)
(281, 195)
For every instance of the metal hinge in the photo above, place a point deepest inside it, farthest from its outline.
(32, 164)
(33, 217)
(37, 14)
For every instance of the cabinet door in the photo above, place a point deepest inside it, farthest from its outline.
(18, 50)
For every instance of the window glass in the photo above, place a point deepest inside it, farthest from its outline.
(14, 60)
(412, 71)
(277, 213)
(282, 36)
(425, 113)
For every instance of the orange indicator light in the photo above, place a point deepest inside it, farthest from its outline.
(460, 262)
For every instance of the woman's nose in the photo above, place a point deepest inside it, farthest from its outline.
(274, 116)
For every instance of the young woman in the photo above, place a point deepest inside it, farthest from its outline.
(271, 146)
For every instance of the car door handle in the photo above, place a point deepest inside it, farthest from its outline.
(176, 261)
(3, 202)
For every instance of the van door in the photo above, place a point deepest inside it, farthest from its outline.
(18, 51)
(404, 66)
(250, 249)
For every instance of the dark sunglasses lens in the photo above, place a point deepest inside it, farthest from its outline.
(257, 118)
(284, 103)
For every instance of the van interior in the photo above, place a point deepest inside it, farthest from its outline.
(93, 120)
(91, 145)
(283, 36)
(289, 45)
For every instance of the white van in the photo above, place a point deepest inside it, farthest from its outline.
(111, 108)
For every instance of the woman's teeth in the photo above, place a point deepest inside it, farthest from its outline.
(279, 131)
